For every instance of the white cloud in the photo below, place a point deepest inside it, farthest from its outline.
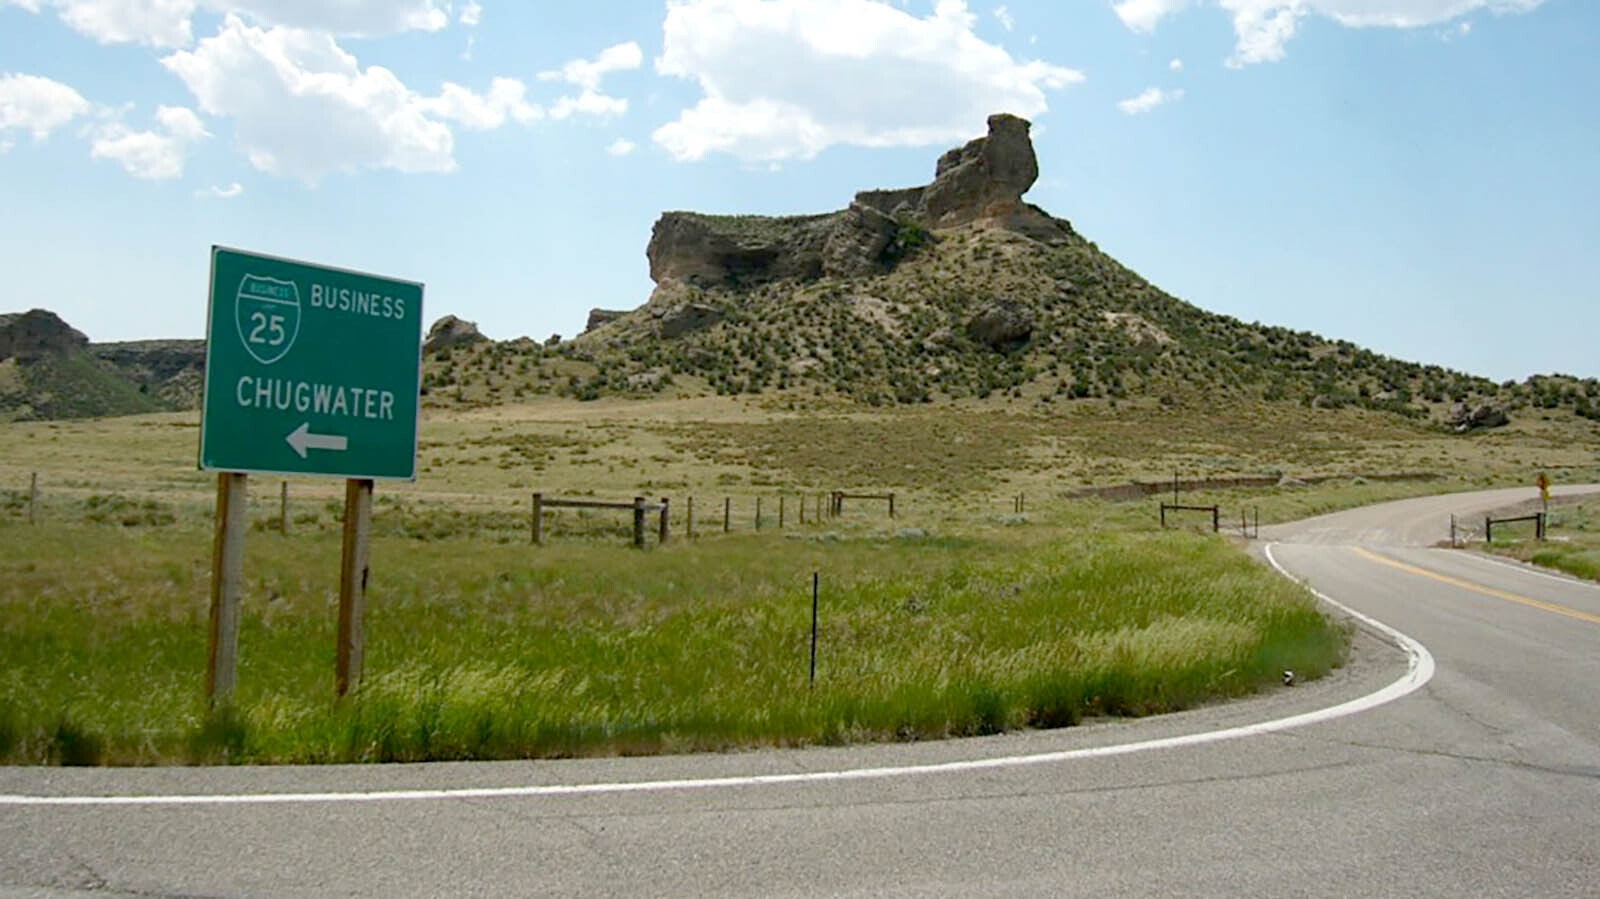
(1148, 100)
(220, 192)
(1262, 28)
(621, 147)
(588, 103)
(1005, 18)
(1176, 65)
(786, 79)
(366, 18)
(587, 74)
(303, 108)
(161, 23)
(506, 99)
(36, 105)
(471, 14)
(169, 23)
(156, 155)
(1144, 15)
(1410, 13)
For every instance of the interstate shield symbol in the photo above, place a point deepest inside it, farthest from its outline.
(267, 312)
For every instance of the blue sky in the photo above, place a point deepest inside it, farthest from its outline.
(1421, 177)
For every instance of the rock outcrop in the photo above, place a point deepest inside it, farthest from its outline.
(600, 317)
(37, 332)
(984, 180)
(173, 370)
(153, 361)
(450, 332)
(1001, 323)
(1464, 418)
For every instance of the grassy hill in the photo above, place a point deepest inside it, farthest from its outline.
(1095, 331)
(69, 384)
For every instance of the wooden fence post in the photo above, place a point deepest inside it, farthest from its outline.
(1163, 516)
(1539, 527)
(802, 508)
(283, 508)
(638, 522)
(33, 498)
(891, 507)
(688, 519)
(538, 519)
(1488, 529)
(727, 514)
(758, 513)
(662, 538)
(780, 512)
(1216, 519)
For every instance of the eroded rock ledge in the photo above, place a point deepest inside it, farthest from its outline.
(981, 181)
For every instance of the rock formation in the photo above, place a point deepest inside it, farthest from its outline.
(983, 180)
(599, 317)
(173, 370)
(452, 332)
(37, 332)
(1464, 418)
(1001, 323)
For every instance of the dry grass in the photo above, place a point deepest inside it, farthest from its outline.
(113, 579)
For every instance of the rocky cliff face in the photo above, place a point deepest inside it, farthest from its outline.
(36, 333)
(48, 369)
(171, 370)
(984, 179)
(981, 181)
(449, 332)
(152, 361)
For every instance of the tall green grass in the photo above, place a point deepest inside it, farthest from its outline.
(483, 650)
(1574, 547)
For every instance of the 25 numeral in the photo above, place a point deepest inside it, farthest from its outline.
(271, 324)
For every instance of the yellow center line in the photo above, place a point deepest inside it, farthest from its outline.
(1478, 588)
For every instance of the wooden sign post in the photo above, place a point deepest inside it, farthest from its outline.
(227, 576)
(353, 567)
(278, 401)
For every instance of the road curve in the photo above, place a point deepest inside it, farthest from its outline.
(1485, 782)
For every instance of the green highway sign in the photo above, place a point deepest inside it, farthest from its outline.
(310, 370)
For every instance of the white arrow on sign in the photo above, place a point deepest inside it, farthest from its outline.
(301, 439)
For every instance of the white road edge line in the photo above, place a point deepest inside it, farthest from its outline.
(1528, 568)
(1419, 671)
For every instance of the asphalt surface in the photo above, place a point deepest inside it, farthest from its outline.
(1482, 781)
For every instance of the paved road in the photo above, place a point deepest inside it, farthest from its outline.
(1485, 781)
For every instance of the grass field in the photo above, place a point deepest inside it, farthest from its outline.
(1573, 543)
(493, 651)
(959, 617)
